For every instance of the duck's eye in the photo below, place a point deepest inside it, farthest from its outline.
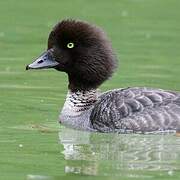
(70, 45)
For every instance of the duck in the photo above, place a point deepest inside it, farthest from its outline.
(83, 51)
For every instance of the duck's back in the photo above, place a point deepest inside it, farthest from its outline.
(139, 110)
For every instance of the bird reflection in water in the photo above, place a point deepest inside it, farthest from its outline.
(119, 154)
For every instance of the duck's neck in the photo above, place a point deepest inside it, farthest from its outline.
(77, 108)
(79, 101)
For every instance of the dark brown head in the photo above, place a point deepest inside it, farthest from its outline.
(82, 51)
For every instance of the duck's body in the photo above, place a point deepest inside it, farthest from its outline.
(84, 53)
(130, 110)
(137, 110)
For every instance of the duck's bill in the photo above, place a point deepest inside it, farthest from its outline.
(43, 62)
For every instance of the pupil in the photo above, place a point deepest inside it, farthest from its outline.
(70, 45)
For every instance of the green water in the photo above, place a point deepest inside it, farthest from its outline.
(33, 146)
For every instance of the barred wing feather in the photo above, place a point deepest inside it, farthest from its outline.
(137, 110)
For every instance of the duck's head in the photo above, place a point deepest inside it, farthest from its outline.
(82, 51)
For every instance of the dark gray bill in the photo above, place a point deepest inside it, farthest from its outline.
(44, 61)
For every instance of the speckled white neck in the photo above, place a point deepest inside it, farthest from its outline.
(78, 102)
(77, 108)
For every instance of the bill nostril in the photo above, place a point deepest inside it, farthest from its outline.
(41, 61)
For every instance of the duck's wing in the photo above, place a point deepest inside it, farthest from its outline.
(137, 110)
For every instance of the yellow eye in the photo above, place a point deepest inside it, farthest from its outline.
(70, 45)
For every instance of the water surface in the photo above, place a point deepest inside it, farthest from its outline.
(120, 155)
